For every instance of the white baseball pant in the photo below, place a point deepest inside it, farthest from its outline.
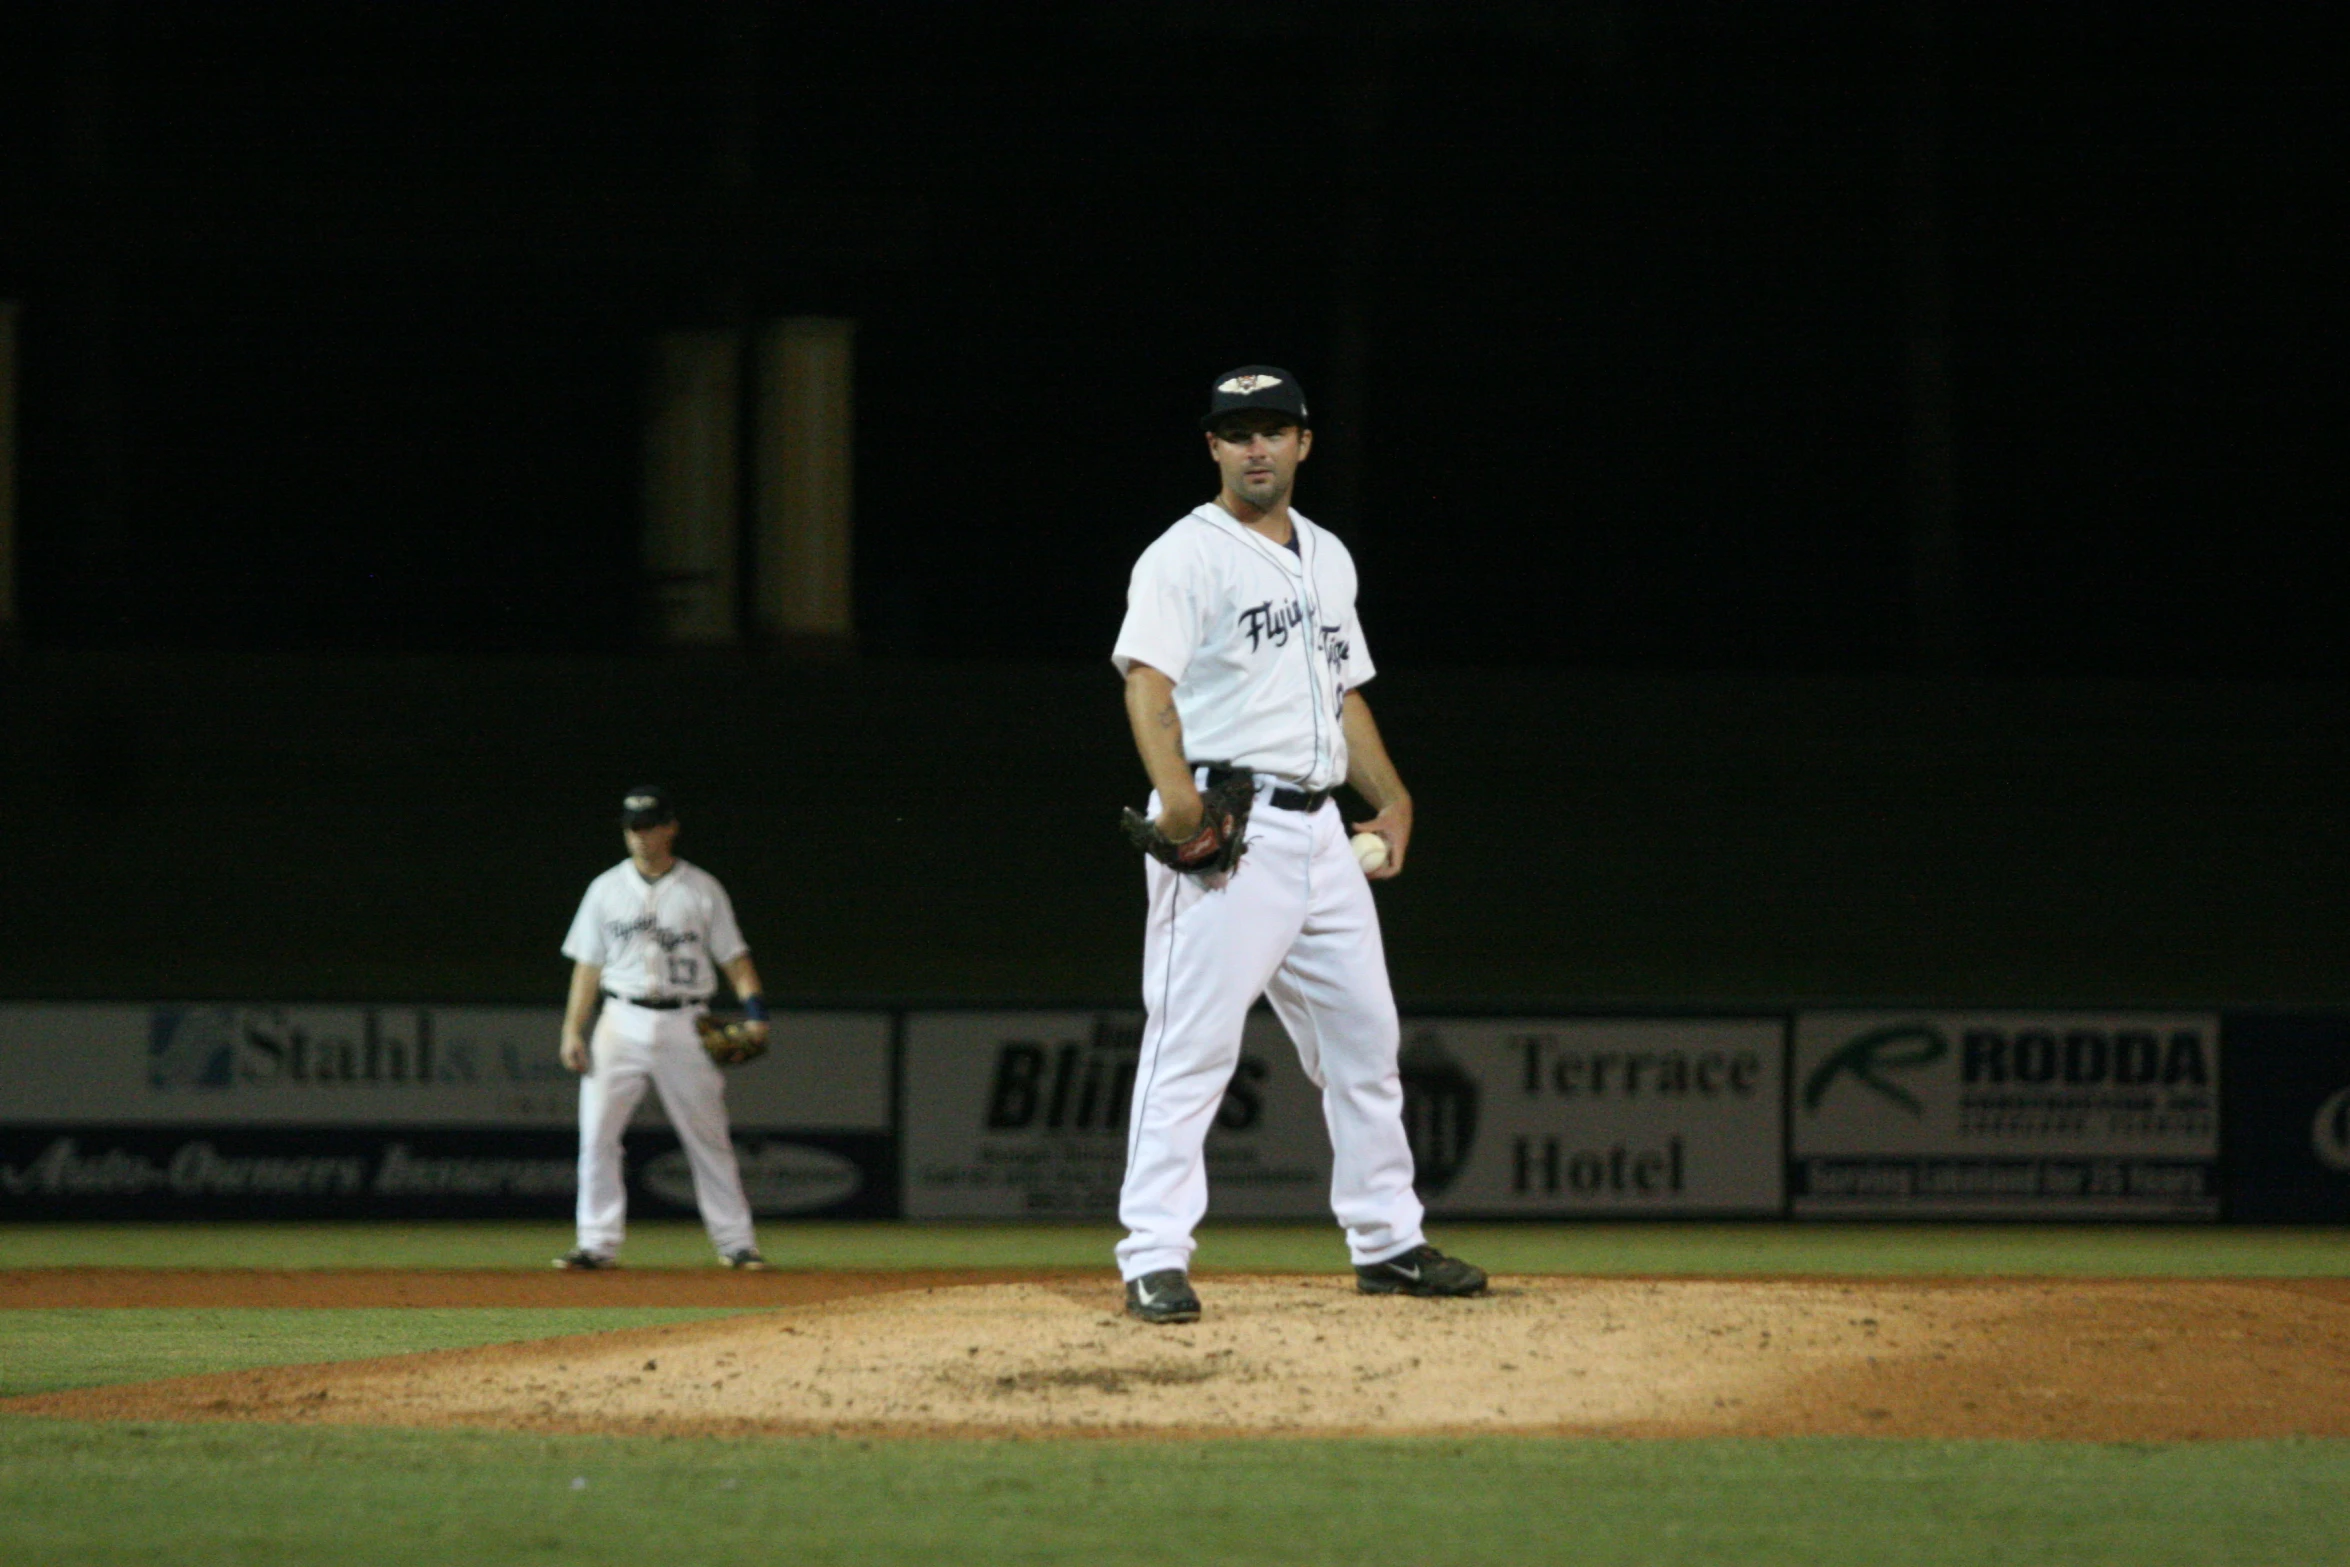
(634, 1045)
(1296, 923)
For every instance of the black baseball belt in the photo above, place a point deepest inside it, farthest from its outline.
(1283, 798)
(661, 1004)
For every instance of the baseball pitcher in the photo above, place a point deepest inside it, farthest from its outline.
(1244, 661)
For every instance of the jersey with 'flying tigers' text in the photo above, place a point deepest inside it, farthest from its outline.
(1262, 642)
(656, 939)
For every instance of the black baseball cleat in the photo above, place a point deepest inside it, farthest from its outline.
(582, 1260)
(1164, 1296)
(1421, 1271)
(747, 1260)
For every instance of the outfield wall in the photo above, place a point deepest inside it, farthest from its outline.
(223, 827)
(215, 1111)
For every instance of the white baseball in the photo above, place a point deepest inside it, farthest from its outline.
(1370, 851)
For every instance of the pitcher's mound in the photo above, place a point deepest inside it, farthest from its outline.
(2102, 1360)
(2106, 1361)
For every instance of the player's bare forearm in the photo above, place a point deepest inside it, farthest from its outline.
(1158, 738)
(1371, 773)
(743, 976)
(585, 978)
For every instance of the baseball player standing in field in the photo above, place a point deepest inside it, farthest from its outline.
(1243, 661)
(650, 937)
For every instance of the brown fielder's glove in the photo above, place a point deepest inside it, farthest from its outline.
(732, 1042)
(1223, 828)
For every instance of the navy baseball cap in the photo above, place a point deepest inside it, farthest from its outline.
(1252, 388)
(647, 805)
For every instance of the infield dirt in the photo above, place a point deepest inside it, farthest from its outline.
(1052, 1355)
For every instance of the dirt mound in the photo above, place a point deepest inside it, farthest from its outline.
(2091, 1360)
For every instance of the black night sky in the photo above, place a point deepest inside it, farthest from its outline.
(335, 316)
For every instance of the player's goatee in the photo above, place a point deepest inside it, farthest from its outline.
(1264, 492)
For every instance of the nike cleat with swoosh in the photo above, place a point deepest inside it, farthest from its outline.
(1421, 1271)
(1164, 1296)
(583, 1260)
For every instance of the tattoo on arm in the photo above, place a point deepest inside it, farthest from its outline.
(1166, 716)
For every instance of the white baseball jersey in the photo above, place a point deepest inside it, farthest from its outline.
(1261, 641)
(656, 939)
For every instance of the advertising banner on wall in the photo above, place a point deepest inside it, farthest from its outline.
(2288, 1118)
(1596, 1116)
(314, 1172)
(220, 1110)
(1011, 1114)
(1023, 1115)
(2005, 1115)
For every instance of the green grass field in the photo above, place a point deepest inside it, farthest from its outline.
(43, 1351)
(2101, 1251)
(196, 1495)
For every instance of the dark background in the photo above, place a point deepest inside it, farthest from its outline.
(1843, 493)
(336, 315)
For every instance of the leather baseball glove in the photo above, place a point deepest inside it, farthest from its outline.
(733, 1041)
(1223, 828)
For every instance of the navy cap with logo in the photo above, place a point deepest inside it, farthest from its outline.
(647, 805)
(1252, 388)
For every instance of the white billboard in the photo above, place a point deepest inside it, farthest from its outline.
(1023, 1115)
(1596, 1116)
(2006, 1114)
(261, 1065)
